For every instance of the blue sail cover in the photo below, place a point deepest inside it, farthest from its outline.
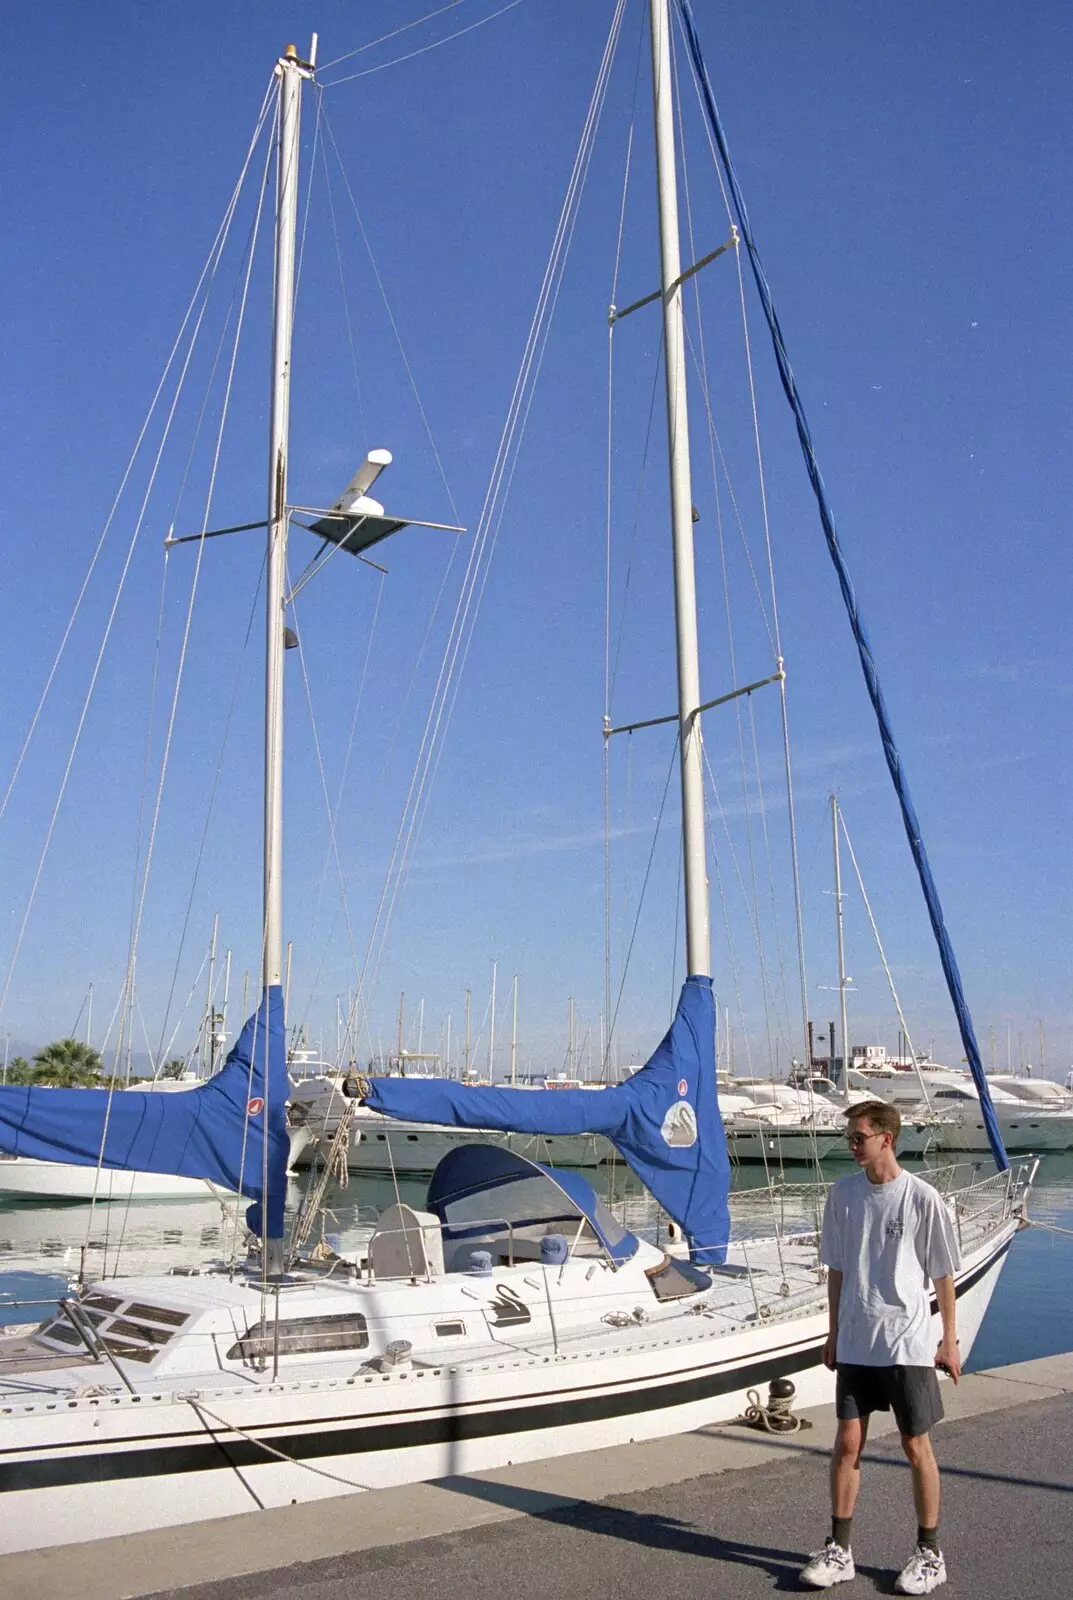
(664, 1121)
(215, 1132)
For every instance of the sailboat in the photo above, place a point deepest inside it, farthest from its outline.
(513, 1316)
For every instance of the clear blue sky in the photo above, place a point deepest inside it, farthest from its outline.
(907, 179)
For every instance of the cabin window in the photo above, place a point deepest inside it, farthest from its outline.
(170, 1319)
(63, 1333)
(449, 1330)
(104, 1302)
(302, 1336)
(128, 1352)
(140, 1330)
(412, 1137)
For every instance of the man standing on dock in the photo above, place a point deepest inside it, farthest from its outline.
(885, 1234)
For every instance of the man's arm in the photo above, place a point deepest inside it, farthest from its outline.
(947, 1355)
(834, 1295)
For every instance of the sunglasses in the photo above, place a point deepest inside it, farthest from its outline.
(855, 1140)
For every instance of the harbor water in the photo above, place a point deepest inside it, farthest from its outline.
(43, 1247)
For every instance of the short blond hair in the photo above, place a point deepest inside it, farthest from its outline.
(884, 1117)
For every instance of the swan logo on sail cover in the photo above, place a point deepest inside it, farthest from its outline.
(255, 1106)
(679, 1127)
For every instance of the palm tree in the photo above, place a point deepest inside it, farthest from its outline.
(18, 1071)
(67, 1064)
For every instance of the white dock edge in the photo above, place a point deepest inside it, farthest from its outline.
(229, 1547)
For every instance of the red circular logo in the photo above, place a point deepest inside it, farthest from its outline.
(683, 1086)
(255, 1106)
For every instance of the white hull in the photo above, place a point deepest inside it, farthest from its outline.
(24, 1179)
(798, 1144)
(64, 1471)
(377, 1144)
(1022, 1135)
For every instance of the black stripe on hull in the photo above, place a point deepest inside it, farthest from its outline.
(161, 1459)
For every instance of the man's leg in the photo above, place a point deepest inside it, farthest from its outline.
(925, 1570)
(846, 1468)
(925, 1470)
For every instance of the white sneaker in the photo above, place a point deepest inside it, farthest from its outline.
(924, 1571)
(833, 1565)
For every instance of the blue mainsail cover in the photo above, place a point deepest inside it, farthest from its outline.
(215, 1132)
(664, 1121)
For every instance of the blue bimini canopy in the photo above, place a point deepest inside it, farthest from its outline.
(664, 1121)
(216, 1131)
(478, 1185)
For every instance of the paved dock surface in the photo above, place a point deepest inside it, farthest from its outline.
(1008, 1531)
(719, 1513)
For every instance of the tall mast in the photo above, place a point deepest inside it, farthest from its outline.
(291, 72)
(698, 941)
(841, 949)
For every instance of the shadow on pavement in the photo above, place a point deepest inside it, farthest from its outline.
(872, 1458)
(652, 1530)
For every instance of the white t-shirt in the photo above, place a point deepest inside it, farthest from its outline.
(887, 1240)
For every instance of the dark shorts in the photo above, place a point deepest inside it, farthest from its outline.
(912, 1393)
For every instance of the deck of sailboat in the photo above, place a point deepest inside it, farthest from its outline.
(525, 1311)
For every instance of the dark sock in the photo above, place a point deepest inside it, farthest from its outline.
(928, 1538)
(841, 1530)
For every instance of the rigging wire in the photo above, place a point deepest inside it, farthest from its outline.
(611, 321)
(333, 838)
(139, 897)
(425, 48)
(947, 957)
(702, 350)
(351, 341)
(543, 342)
(700, 86)
(195, 577)
(326, 66)
(613, 1020)
(215, 256)
(163, 1051)
(340, 793)
(206, 271)
(487, 531)
(407, 367)
(886, 969)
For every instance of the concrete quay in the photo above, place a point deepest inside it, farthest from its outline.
(723, 1512)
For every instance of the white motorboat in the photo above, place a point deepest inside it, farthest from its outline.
(1025, 1126)
(22, 1178)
